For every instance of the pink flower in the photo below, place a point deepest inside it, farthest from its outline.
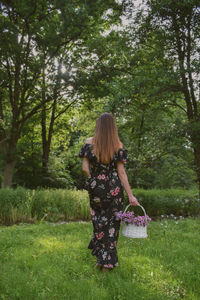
(116, 191)
(100, 235)
(92, 212)
(111, 232)
(101, 177)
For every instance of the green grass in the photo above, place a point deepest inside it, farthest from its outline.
(51, 261)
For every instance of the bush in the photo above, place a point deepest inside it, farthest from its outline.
(170, 201)
(23, 205)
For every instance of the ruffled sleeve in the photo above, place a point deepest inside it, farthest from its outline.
(85, 151)
(122, 156)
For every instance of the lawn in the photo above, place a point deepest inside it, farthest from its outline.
(51, 261)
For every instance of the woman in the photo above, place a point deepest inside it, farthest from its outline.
(103, 164)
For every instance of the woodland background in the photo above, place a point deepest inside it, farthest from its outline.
(63, 63)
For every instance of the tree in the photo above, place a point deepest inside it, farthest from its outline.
(180, 26)
(32, 35)
(165, 38)
(151, 124)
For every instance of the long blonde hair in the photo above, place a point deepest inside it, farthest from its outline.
(106, 141)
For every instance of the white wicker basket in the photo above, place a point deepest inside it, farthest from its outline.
(133, 231)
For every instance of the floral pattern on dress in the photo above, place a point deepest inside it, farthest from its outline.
(106, 199)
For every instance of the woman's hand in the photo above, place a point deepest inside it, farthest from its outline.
(133, 200)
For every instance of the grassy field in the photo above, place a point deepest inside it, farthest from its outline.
(51, 261)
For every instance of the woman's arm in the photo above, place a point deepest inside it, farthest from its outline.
(124, 180)
(86, 167)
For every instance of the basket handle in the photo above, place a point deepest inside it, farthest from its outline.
(141, 208)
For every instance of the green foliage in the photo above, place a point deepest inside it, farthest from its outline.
(38, 39)
(160, 154)
(167, 172)
(15, 205)
(23, 205)
(170, 201)
(90, 67)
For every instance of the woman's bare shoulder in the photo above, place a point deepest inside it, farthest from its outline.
(89, 140)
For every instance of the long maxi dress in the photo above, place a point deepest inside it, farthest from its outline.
(106, 199)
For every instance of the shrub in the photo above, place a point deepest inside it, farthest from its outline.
(178, 202)
(23, 205)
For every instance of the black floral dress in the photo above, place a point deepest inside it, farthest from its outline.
(106, 199)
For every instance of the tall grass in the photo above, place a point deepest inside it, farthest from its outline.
(23, 205)
(60, 203)
(15, 205)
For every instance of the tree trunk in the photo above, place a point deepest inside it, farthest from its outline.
(8, 148)
(196, 147)
(184, 57)
(8, 174)
(197, 165)
(47, 136)
(43, 124)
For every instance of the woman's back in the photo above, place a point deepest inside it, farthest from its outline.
(104, 181)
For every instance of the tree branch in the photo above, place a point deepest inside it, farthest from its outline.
(57, 49)
(64, 110)
(178, 105)
(9, 83)
(21, 108)
(34, 111)
(1, 108)
(181, 56)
